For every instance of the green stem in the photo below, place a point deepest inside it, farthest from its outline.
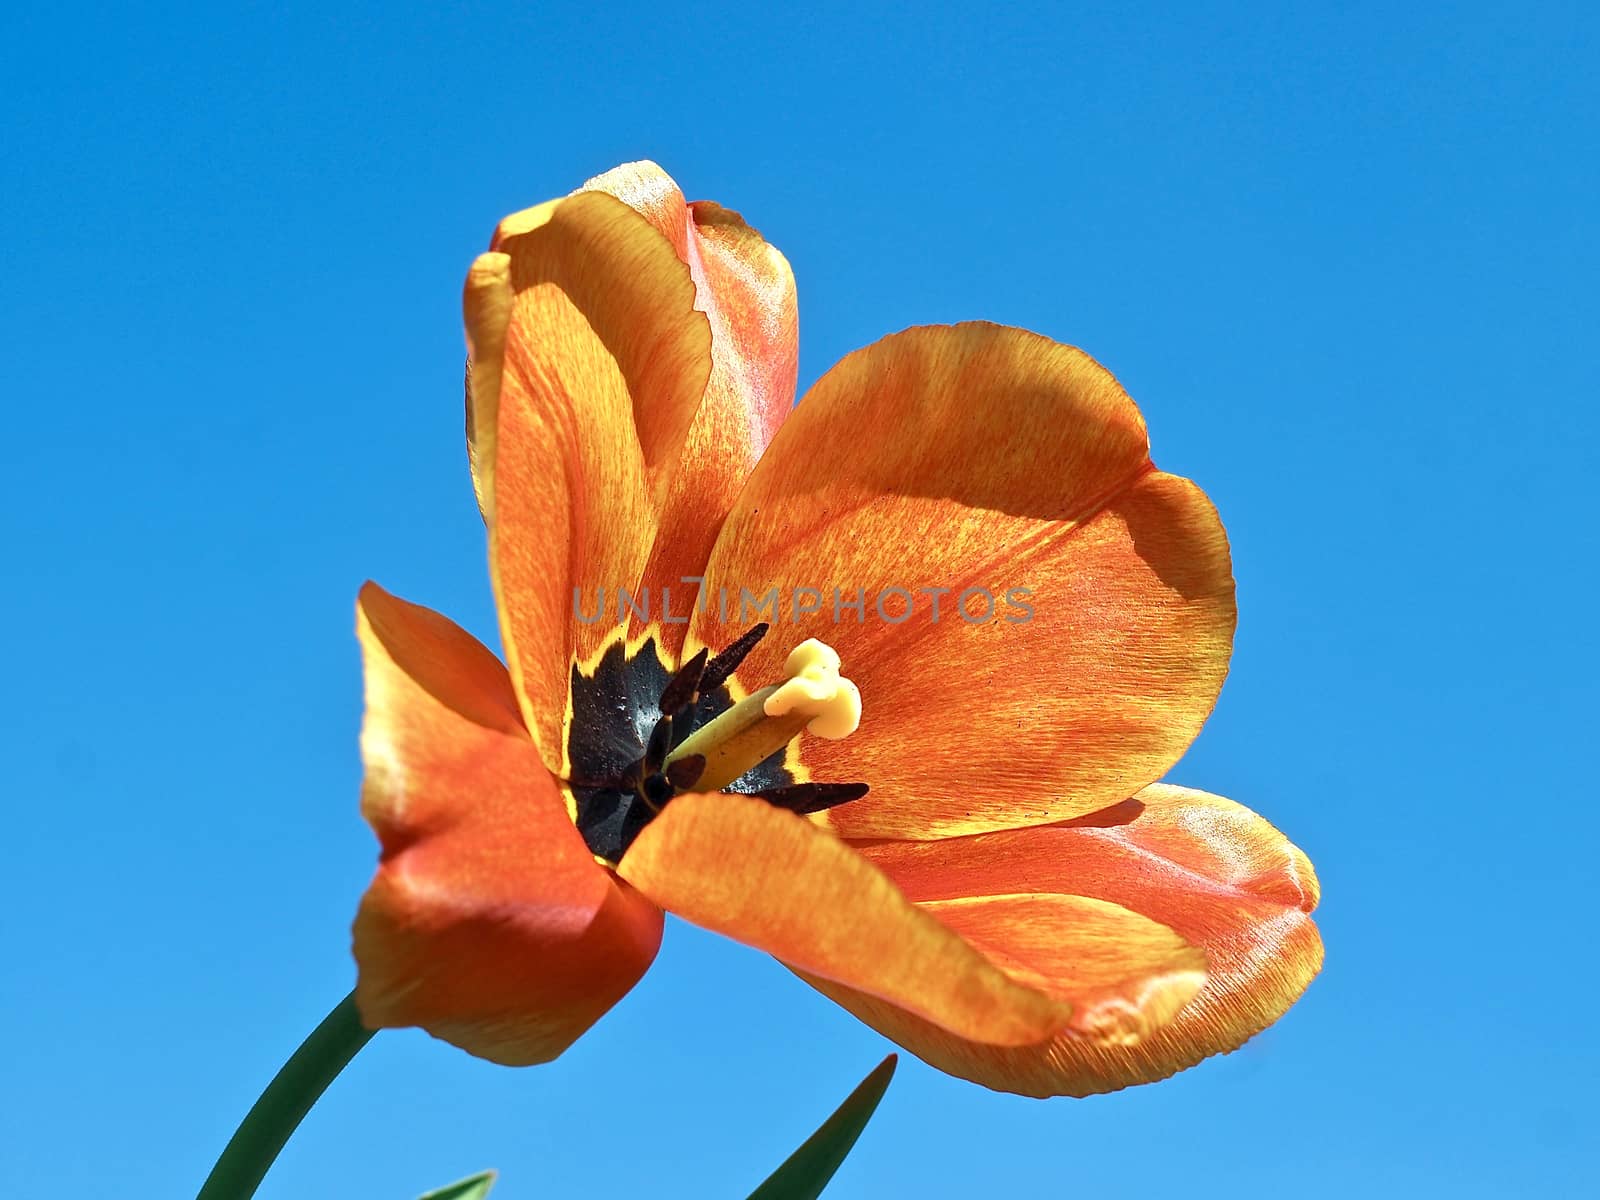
(288, 1098)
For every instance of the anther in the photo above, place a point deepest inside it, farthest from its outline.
(657, 790)
(685, 685)
(725, 664)
(655, 751)
(812, 797)
(684, 773)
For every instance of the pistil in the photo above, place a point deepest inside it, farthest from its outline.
(813, 698)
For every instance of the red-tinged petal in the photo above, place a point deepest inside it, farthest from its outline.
(489, 923)
(981, 457)
(605, 363)
(746, 289)
(756, 326)
(1124, 976)
(773, 880)
(1211, 870)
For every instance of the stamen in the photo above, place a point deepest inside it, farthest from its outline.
(684, 773)
(656, 791)
(812, 797)
(655, 751)
(725, 664)
(685, 685)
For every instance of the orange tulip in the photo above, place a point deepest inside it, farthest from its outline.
(986, 870)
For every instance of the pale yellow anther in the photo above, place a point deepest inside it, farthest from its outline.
(814, 698)
(816, 690)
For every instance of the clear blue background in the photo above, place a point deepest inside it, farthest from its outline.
(1343, 256)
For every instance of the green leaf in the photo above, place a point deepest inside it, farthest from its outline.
(475, 1187)
(807, 1171)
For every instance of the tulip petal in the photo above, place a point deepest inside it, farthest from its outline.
(980, 457)
(775, 881)
(1212, 871)
(605, 363)
(746, 289)
(489, 923)
(1126, 975)
(486, 313)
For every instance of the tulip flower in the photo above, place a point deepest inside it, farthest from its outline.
(924, 775)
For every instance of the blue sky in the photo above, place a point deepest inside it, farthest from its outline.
(1343, 256)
